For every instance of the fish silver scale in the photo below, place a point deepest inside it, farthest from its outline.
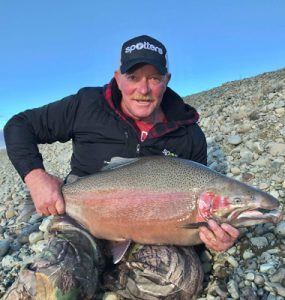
(166, 174)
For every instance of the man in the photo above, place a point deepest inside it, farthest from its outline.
(136, 114)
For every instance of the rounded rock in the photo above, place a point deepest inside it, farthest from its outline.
(233, 289)
(266, 268)
(250, 276)
(46, 224)
(8, 262)
(259, 242)
(232, 261)
(4, 247)
(247, 254)
(280, 229)
(259, 280)
(234, 139)
(34, 237)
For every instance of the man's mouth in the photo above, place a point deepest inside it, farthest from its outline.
(143, 99)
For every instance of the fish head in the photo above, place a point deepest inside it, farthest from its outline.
(236, 203)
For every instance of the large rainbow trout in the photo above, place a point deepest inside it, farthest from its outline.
(163, 200)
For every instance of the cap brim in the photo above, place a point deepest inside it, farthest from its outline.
(127, 66)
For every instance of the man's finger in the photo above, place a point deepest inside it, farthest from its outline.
(60, 207)
(43, 212)
(207, 233)
(232, 231)
(52, 210)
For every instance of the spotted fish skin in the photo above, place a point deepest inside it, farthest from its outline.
(150, 200)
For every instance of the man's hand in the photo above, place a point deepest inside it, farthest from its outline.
(218, 238)
(45, 190)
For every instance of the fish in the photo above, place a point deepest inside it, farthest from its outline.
(163, 200)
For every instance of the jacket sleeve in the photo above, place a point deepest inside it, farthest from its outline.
(47, 124)
(199, 145)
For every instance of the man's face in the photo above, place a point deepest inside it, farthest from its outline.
(142, 90)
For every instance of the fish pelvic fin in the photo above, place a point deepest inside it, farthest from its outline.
(118, 249)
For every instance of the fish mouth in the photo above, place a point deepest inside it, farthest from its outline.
(243, 218)
(256, 216)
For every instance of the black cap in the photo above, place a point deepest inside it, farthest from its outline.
(144, 49)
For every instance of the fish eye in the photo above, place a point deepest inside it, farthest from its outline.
(237, 200)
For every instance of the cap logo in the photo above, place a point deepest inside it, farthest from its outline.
(144, 45)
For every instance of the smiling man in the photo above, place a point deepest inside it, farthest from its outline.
(136, 114)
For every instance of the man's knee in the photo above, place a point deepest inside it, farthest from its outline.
(160, 272)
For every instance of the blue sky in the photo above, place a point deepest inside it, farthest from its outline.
(50, 49)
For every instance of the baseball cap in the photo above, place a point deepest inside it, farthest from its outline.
(144, 49)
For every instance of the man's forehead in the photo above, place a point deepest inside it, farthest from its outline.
(143, 67)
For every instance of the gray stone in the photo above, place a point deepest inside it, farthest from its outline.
(8, 262)
(34, 237)
(280, 229)
(276, 149)
(259, 242)
(46, 224)
(233, 289)
(266, 268)
(234, 139)
(4, 247)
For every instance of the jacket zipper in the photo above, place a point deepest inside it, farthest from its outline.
(138, 149)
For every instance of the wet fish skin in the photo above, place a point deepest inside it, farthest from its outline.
(151, 200)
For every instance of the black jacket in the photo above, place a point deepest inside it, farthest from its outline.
(100, 131)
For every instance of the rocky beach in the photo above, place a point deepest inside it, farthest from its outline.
(244, 122)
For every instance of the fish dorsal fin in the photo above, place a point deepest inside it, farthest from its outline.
(118, 249)
(117, 162)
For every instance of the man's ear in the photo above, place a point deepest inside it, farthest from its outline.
(117, 76)
(168, 77)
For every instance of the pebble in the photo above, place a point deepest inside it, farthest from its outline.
(4, 247)
(234, 139)
(250, 276)
(10, 213)
(46, 224)
(259, 279)
(110, 296)
(280, 229)
(276, 149)
(232, 261)
(34, 237)
(8, 262)
(276, 288)
(39, 246)
(247, 254)
(233, 289)
(279, 276)
(235, 170)
(23, 237)
(259, 242)
(266, 268)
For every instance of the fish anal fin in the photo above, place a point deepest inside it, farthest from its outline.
(118, 249)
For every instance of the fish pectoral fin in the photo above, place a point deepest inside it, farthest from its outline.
(193, 225)
(117, 162)
(118, 249)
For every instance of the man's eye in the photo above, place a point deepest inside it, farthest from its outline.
(131, 77)
(156, 79)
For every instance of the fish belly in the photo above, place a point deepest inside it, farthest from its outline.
(145, 217)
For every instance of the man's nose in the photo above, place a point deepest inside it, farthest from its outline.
(144, 87)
